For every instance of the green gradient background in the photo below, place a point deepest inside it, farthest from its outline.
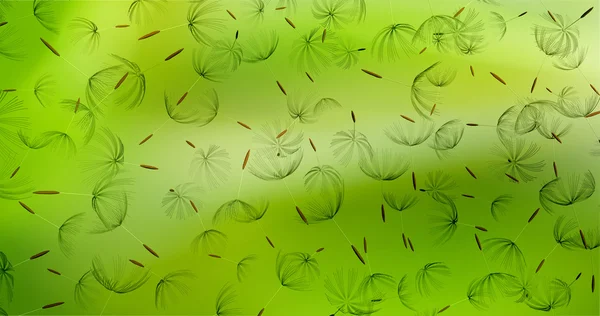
(250, 95)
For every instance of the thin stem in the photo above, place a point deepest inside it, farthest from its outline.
(240, 186)
(270, 70)
(269, 302)
(551, 251)
(35, 310)
(522, 230)
(396, 82)
(290, 192)
(369, 264)
(592, 128)
(392, 11)
(105, 304)
(132, 235)
(79, 194)
(542, 65)
(47, 221)
(174, 27)
(161, 126)
(20, 263)
(80, 71)
(338, 226)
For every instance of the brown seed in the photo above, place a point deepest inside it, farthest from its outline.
(27, 208)
(432, 109)
(365, 244)
(9, 90)
(471, 173)
(214, 256)
(150, 250)
(522, 14)
(483, 229)
(323, 36)
(261, 312)
(411, 245)
(52, 305)
(46, 192)
(551, 16)
(512, 178)
(309, 77)
(539, 267)
(231, 14)
(3, 23)
(423, 50)
(592, 114)
(478, 242)
(281, 88)
(122, 80)
(472, 71)
(312, 145)
(535, 213)
(194, 206)
(244, 125)
(290, 22)
(190, 143)
(146, 139)
(148, 35)
(54, 271)
(37, 255)
(171, 190)
(358, 255)
(137, 263)
(371, 73)
(270, 242)
(593, 283)
(246, 159)
(443, 309)
(50, 47)
(77, 104)
(407, 118)
(353, 116)
(174, 54)
(122, 26)
(555, 169)
(459, 12)
(556, 137)
(468, 196)
(319, 250)
(182, 98)
(584, 15)
(382, 213)
(594, 88)
(583, 239)
(472, 124)
(534, 83)
(281, 134)
(578, 276)
(414, 181)
(301, 215)
(280, 8)
(548, 89)
(149, 167)
(498, 78)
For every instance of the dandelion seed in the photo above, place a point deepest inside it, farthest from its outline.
(174, 54)
(52, 305)
(137, 263)
(54, 271)
(190, 143)
(149, 167)
(498, 78)
(143, 37)
(309, 77)
(38, 255)
(407, 118)
(244, 125)
(358, 255)
(371, 73)
(150, 250)
(290, 22)
(231, 14)
(423, 50)
(54, 51)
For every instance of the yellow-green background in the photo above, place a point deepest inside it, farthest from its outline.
(251, 96)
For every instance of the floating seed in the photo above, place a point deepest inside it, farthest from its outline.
(459, 12)
(358, 255)
(309, 77)
(37, 255)
(498, 78)
(365, 244)
(302, 215)
(432, 109)
(411, 245)
(262, 310)
(280, 8)
(371, 73)
(552, 16)
(578, 276)
(468, 196)
(190, 143)
(137, 263)
(423, 50)
(50, 47)
(533, 215)
(471, 173)
(290, 22)
(3, 23)
(414, 181)
(323, 36)
(270, 242)
(122, 26)
(555, 169)
(246, 159)
(382, 213)
(231, 14)
(148, 35)
(281, 134)
(281, 88)
(592, 114)
(593, 283)
(54, 271)
(27, 208)
(151, 251)
(146, 139)
(483, 229)
(9, 90)
(52, 305)
(312, 145)
(214, 256)
(472, 71)
(472, 124)
(319, 250)
(556, 137)
(407, 118)
(149, 167)
(174, 54)
(443, 309)
(46, 192)
(586, 12)
(512, 178)
(77, 105)
(548, 89)
(244, 125)
(522, 14)
(539, 267)
(594, 88)
(478, 242)
(353, 116)
(122, 80)
(583, 239)
(194, 206)
(533, 85)
(182, 98)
